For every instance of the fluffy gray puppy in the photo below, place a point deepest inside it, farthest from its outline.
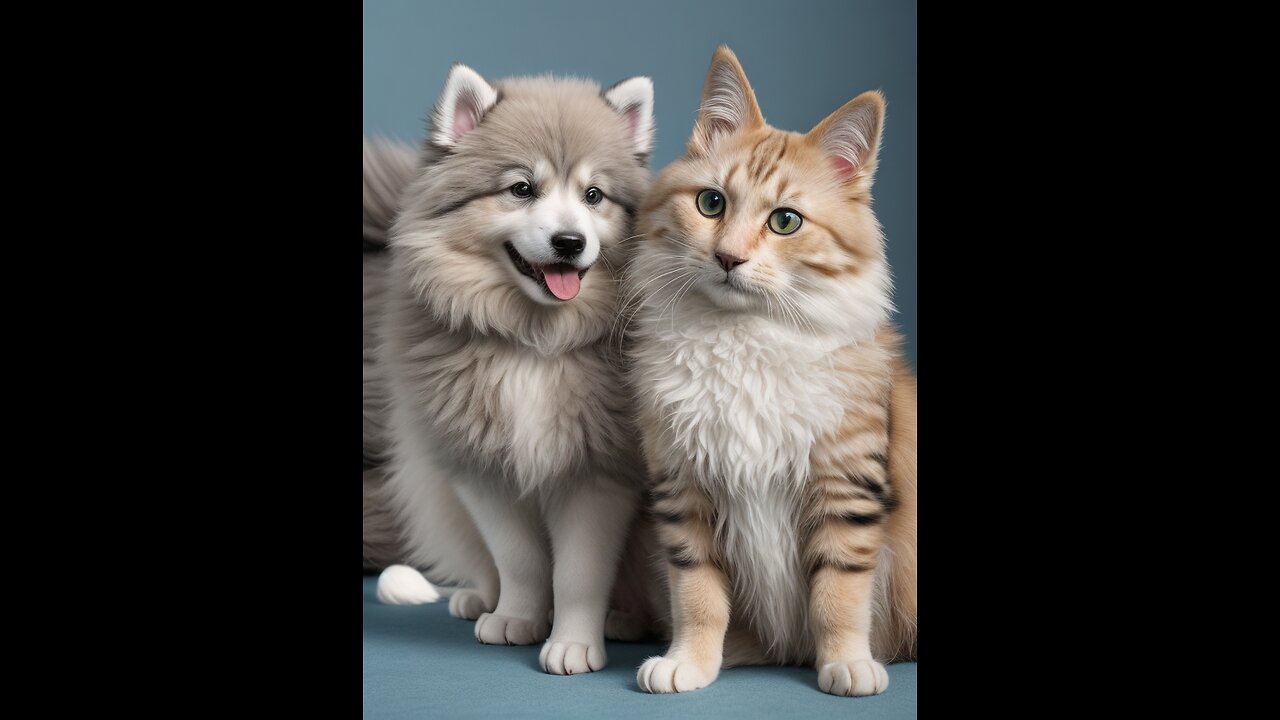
(496, 428)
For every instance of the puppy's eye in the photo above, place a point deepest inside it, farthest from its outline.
(784, 221)
(710, 203)
(593, 196)
(522, 190)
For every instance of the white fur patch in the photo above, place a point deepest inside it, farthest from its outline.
(743, 397)
(402, 585)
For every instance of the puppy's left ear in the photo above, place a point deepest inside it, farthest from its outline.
(633, 98)
(461, 106)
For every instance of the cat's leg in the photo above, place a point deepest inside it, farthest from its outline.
(512, 530)
(588, 526)
(850, 500)
(699, 593)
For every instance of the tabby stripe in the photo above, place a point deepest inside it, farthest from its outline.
(839, 567)
(657, 496)
(880, 458)
(668, 517)
(759, 156)
(860, 518)
(882, 494)
(776, 161)
(830, 494)
(853, 250)
(679, 558)
(732, 172)
(867, 483)
(824, 269)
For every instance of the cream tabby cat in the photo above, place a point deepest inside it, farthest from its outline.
(778, 417)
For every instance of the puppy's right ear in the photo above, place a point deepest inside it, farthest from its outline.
(465, 100)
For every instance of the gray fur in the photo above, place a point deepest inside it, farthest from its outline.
(388, 168)
(494, 394)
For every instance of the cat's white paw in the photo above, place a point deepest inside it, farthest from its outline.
(673, 675)
(402, 585)
(853, 677)
(504, 630)
(623, 626)
(469, 604)
(572, 658)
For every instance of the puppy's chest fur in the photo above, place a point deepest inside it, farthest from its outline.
(736, 409)
(536, 419)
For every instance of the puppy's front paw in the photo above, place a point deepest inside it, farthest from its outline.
(853, 677)
(469, 604)
(572, 658)
(503, 630)
(673, 675)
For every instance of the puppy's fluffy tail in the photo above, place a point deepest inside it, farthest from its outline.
(389, 167)
(898, 641)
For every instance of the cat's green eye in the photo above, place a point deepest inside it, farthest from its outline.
(710, 203)
(784, 221)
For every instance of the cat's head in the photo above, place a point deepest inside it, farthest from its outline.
(770, 222)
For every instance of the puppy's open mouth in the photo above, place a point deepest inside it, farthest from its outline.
(559, 280)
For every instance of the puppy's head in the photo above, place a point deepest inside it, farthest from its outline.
(528, 188)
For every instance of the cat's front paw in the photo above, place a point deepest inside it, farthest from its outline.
(852, 678)
(504, 630)
(673, 674)
(560, 657)
(469, 604)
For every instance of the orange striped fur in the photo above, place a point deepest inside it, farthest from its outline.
(777, 414)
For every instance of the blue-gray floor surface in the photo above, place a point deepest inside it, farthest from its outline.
(421, 663)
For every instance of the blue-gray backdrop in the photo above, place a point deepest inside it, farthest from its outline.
(805, 58)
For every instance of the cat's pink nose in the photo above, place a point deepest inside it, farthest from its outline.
(729, 262)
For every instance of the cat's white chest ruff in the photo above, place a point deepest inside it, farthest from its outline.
(740, 400)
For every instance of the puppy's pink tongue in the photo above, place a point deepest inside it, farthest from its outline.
(562, 280)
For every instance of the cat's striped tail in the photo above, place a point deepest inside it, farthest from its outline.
(898, 638)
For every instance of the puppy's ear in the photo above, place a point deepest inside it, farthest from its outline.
(850, 137)
(461, 107)
(728, 102)
(633, 98)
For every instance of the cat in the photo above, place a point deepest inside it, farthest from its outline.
(776, 410)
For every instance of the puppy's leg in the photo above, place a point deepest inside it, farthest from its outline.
(438, 533)
(588, 526)
(512, 529)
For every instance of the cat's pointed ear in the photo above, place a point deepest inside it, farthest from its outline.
(633, 99)
(850, 136)
(461, 107)
(728, 102)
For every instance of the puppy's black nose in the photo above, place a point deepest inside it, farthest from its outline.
(568, 244)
